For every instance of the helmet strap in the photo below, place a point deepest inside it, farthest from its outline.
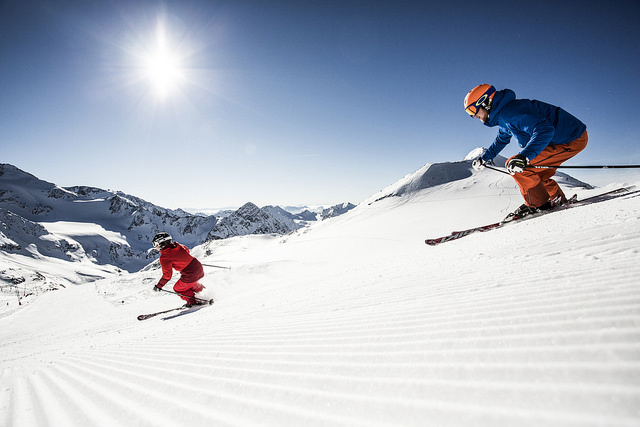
(487, 105)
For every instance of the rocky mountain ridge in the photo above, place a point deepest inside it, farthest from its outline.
(41, 219)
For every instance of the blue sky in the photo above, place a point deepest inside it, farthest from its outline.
(297, 102)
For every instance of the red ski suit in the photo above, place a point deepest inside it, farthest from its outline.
(177, 256)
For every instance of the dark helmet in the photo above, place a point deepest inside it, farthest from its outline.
(161, 240)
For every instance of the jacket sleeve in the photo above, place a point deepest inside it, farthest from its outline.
(501, 141)
(167, 272)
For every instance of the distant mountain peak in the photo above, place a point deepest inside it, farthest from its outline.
(250, 219)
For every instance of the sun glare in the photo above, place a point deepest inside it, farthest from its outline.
(162, 66)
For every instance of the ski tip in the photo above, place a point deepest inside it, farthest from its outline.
(211, 302)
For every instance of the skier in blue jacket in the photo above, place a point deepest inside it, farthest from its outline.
(548, 135)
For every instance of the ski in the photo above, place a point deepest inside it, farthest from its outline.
(183, 307)
(150, 315)
(573, 201)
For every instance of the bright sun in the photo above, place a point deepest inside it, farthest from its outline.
(162, 67)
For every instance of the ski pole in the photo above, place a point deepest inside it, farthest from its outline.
(216, 266)
(586, 167)
(496, 169)
(183, 295)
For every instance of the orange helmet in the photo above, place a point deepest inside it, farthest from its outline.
(478, 97)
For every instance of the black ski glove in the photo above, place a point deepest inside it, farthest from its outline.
(157, 288)
(516, 164)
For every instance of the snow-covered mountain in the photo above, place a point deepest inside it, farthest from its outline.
(250, 219)
(73, 214)
(336, 210)
(318, 213)
(354, 321)
(446, 173)
(19, 235)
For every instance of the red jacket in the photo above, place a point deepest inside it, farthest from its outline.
(177, 256)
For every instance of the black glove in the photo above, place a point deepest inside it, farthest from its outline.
(516, 164)
(157, 288)
(478, 164)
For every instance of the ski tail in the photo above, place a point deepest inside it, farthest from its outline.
(618, 192)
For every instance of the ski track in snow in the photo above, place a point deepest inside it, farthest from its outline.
(496, 329)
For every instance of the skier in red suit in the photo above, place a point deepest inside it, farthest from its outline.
(174, 255)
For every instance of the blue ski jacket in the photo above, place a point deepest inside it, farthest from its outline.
(535, 125)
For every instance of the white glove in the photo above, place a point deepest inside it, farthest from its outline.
(478, 164)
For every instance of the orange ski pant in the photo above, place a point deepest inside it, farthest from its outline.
(536, 185)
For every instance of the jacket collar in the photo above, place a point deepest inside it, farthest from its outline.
(500, 99)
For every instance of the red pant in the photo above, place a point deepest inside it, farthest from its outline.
(187, 290)
(536, 185)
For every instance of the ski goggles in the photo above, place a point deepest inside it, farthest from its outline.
(473, 108)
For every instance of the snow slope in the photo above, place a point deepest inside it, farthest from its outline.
(355, 321)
